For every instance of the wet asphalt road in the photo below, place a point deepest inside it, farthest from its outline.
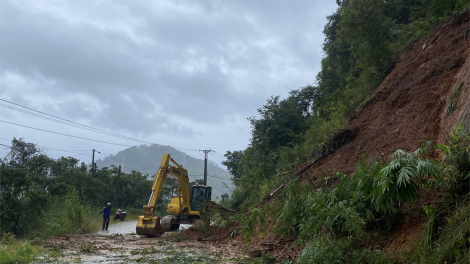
(126, 227)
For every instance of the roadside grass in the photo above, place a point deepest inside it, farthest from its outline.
(18, 251)
(135, 211)
(133, 216)
(61, 219)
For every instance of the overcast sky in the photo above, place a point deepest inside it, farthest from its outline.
(179, 73)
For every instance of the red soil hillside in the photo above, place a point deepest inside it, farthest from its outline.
(408, 108)
(409, 105)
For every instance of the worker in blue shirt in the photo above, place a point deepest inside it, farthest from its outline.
(106, 214)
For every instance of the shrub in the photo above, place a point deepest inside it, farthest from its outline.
(455, 162)
(401, 180)
(264, 259)
(249, 224)
(447, 236)
(18, 252)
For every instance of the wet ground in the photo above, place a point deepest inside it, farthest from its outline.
(120, 244)
(126, 227)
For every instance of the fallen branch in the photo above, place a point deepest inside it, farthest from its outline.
(235, 225)
(282, 174)
(223, 208)
(311, 182)
(272, 243)
(440, 31)
(82, 226)
(257, 253)
(269, 196)
(214, 238)
(426, 44)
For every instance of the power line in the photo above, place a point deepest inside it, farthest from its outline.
(142, 164)
(5, 146)
(66, 151)
(112, 157)
(217, 153)
(117, 144)
(148, 166)
(218, 157)
(53, 148)
(132, 168)
(63, 150)
(77, 125)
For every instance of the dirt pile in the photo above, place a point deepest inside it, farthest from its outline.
(276, 246)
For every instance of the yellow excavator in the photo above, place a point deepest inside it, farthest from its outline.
(185, 204)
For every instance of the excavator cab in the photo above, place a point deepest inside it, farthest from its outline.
(199, 194)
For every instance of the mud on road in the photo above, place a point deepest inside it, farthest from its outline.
(120, 244)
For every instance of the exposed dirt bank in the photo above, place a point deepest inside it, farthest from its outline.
(408, 108)
(409, 105)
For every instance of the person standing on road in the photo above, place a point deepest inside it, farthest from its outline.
(106, 214)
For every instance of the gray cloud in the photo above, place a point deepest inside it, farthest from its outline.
(176, 67)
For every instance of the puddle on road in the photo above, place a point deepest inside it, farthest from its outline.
(121, 245)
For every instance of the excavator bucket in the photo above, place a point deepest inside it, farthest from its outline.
(151, 227)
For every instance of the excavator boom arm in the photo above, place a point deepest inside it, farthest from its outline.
(148, 224)
(157, 186)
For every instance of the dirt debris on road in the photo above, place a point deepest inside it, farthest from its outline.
(114, 247)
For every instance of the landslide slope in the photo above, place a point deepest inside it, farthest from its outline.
(409, 106)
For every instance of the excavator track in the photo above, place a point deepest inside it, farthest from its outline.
(168, 223)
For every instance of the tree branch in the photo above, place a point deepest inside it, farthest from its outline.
(8, 219)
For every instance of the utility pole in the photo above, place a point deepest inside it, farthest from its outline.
(93, 164)
(116, 192)
(206, 152)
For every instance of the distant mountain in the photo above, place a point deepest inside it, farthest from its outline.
(146, 159)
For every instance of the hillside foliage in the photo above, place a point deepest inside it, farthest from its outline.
(335, 220)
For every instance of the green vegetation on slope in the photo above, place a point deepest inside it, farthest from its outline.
(343, 222)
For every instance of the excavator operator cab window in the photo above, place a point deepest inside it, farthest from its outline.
(199, 195)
